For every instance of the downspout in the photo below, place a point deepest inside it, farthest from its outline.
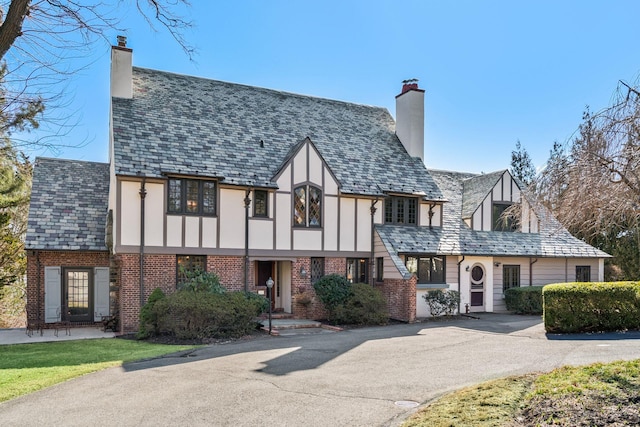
(460, 282)
(531, 270)
(143, 195)
(38, 278)
(247, 202)
(373, 210)
(566, 270)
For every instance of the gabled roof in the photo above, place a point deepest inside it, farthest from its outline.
(68, 208)
(179, 124)
(475, 189)
(456, 238)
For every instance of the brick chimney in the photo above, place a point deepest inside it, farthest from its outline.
(121, 71)
(410, 118)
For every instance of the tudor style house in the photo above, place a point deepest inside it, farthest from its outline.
(252, 183)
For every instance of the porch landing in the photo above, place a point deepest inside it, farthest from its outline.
(289, 326)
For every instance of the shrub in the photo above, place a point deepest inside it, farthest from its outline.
(261, 302)
(148, 316)
(591, 307)
(524, 300)
(364, 306)
(442, 302)
(333, 291)
(201, 281)
(198, 315)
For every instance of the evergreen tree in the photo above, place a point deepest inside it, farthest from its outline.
(521, 165)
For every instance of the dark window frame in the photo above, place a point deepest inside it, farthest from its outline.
(317, 269)
(380, 269)
(510, 279)
(261, 209)
(502, 224)
(307, 206)
(583, 273)
(401, 210)
(361, 270)
(206, 194)
(425, 268)
(189, 263)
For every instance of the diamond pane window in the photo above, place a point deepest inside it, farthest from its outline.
(307, 206)
(315, 196)
(299, 206)
(317, 269)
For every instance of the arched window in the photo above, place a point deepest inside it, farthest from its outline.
(307, 206)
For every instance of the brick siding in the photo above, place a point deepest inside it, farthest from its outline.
(38, 260)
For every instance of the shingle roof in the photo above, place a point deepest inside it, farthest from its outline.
(475, 189)
(456, 238)
(68, 209)
(189, 125)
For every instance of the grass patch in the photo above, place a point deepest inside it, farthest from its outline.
(25, 368)
(598, 394)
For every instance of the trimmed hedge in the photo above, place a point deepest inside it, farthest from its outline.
(524, 300)
(591, 307)
(188, 314)
(364, 306)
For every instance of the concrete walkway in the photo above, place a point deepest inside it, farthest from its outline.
(373, 376)
(19, 335)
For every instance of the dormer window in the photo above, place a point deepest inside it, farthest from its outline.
(400, 210)
(502, 222)
(307, 206)
(192, 197)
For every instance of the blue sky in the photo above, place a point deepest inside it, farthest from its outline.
(494, 71)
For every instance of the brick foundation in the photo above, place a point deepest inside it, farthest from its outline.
(38, 260)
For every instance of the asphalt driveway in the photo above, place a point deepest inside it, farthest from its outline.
(359, 377)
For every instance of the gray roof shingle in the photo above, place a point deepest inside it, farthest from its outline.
(68, 208)
(456, 238)
(475, 189)
(243, 134)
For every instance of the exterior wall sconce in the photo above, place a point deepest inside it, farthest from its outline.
(467, 269)
(303, 273)
(497, 264)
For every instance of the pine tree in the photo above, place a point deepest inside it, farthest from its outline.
(521, 165)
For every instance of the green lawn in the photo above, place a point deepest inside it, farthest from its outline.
(25, 368)
(598, 394)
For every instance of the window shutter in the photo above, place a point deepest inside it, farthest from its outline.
(52, 294)
(101, 293)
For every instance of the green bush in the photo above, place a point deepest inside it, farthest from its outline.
(364, 306)
(261, 302)
(524, 300)
(201, 281)
(148, 316)
(333, 291)
(591, 307)
(442, 302)
(186, 314)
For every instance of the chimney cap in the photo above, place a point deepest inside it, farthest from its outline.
(409, 84)
(122, 41)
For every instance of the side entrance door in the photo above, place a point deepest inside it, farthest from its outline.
(78, 295)
(477, 287)
(265, 270)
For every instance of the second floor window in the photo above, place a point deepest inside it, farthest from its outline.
(192, 196)
(400, 210)
(260, 203)
(307, 206)
(502, 221)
